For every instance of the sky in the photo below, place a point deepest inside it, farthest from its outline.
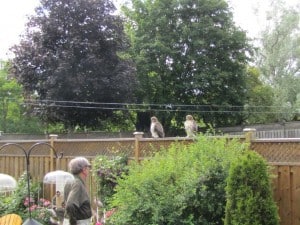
(248, 14)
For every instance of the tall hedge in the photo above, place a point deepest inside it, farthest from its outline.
(184, 184)
(249, 193)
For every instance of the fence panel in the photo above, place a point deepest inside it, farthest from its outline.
(278, 150)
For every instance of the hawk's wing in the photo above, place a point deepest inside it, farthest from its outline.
(158, 128)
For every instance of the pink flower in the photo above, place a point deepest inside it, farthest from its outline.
(26, 203)
(29, 199)
(46, 203)
(109, 213)
(33, 207)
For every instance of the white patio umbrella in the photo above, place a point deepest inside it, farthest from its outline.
(59, 178)
(7, 183)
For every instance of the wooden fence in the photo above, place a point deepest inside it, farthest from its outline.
(283, 156)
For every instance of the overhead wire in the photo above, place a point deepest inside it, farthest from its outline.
(213, 108)
(157, 107)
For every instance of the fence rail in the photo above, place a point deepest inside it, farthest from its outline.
(282, 154)
(273, 134)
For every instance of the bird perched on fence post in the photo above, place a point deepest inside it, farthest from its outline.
(190, 126)
(156, 129)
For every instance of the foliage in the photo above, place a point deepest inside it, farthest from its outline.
(279, 58)
(20, 203)
(188, 53)
(259, 101)
(10, 99)
(14, 117)
(249, 194)
(107, 170)
(71, 57)
(185, 184)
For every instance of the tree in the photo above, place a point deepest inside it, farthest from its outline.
(13, 116)
(249, 192)
(10, 99)
(188, 53)
(71, 57)
(279, 58)
(259, 101)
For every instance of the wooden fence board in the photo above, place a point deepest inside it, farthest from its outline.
(296, 195)
(285, 195)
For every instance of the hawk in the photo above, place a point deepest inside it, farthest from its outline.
(190, 126)
(156, 129)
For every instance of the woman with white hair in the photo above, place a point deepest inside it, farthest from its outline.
(78, 209)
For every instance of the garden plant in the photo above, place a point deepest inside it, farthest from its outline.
(249, 193)
(190, 184)
(184, 184)
(19, 202)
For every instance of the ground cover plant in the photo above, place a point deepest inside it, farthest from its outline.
(184, 184)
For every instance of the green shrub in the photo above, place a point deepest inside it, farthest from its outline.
(107, 170)
(249, 193)
(184, 184)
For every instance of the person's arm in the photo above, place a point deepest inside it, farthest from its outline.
(73, 204)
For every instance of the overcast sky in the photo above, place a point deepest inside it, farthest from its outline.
(13, 15)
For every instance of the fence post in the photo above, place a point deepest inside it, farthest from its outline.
(52, 138)
(138, 136)
(250, 134)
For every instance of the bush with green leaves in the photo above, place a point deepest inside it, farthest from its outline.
(249, 193)
(107, 170)
(184, 184)
(20, 203)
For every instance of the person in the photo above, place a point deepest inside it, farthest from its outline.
(190, 126)
(78, 210)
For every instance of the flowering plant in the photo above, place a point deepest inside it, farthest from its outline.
(20, 203)
(107, 170)
(39, 210)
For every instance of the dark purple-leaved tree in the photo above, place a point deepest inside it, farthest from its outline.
(71, 54)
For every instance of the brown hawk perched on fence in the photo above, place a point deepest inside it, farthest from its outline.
(156, 129)
(190, 126)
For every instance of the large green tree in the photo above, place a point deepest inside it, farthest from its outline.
(10, 99)
(187, 53)
(13, 117)
(71, 58)
(279, 58)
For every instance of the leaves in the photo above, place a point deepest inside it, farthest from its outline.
(107, 171)
(188, 52)
(249, 194)
(71, 53)
(181, 185)
(278, 59)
